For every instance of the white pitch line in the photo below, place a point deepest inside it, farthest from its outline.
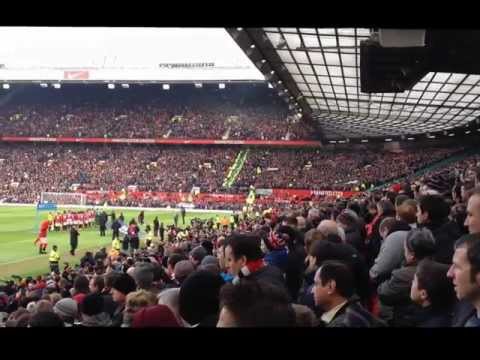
(18, 261)
(38, 256)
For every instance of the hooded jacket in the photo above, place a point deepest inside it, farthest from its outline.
(391, 253)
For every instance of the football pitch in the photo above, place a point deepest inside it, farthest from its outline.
(18, 230)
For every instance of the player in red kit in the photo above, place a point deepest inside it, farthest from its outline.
(62, 221)
(42, 237)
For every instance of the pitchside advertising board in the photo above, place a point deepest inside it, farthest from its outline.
(46, 206)
(99, 197)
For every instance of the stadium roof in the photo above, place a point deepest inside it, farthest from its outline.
(318, 71)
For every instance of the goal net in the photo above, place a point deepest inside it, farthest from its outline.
(63, 198)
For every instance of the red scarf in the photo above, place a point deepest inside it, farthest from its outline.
(370, 226)
(254, 266)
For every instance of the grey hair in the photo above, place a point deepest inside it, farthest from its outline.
(421, 242)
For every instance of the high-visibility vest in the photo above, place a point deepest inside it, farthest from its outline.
(150, 235)
(116, 244)
(54, 256)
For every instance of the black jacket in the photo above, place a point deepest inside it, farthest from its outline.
(395, 292)
(462, 311)
(116, 225)
(109, 305)
(74, 237)
(353, 314)
(117, 318)
(294, 271)
(349, 255)
(87, 260)
(102, 220)
(445, 236)
(430, 318)
(353, 236)
(270, 274)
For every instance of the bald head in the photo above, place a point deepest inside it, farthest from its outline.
(330, 227)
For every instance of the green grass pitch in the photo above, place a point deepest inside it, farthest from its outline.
(19, 256)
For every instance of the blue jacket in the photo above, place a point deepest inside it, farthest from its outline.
(228, 278)
(278, 258)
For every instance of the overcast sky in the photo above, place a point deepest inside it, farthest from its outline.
(29, 48)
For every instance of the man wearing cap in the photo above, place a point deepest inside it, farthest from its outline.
(210, 263)
(122, 286)
(199, 299)
(67, 310)
(181, 271)
(143, 276)
(197, 254)
(92, 312)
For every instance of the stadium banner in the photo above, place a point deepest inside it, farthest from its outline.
(293, 143)
(304, 194)
(264, 192)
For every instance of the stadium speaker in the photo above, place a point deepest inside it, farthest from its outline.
(387, 70)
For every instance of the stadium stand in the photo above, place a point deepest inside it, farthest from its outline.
(354, 237)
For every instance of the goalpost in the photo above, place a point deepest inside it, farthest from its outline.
(49, 201)
(63, 198)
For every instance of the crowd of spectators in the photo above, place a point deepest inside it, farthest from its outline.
(29, 169)
(241, 112)
(317, 169)
(404, 258)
